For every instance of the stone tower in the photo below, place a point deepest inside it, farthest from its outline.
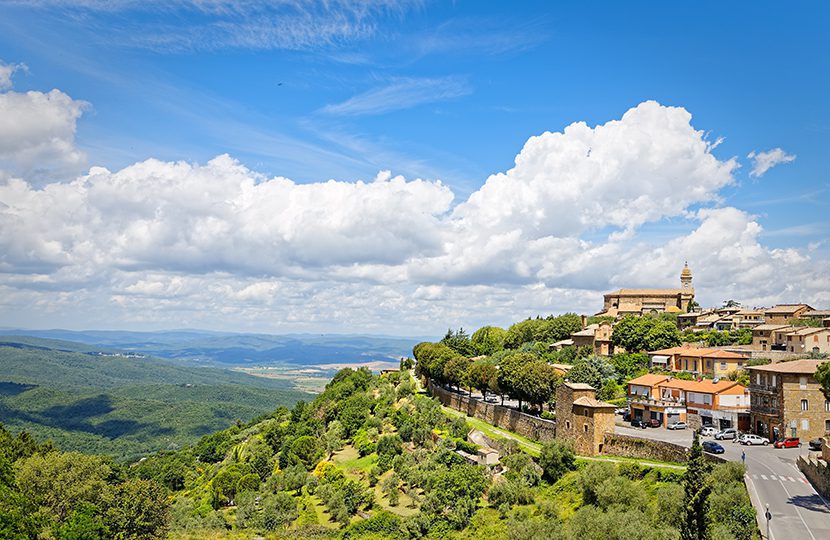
(686, 278)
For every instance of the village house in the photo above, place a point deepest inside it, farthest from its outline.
(770, 337)
(644, 301)
(809, 340)
(597, 337)
(782, 313)
(698, 360)
(581, 418)
(787, 401)
(822, 315)
(722, 404)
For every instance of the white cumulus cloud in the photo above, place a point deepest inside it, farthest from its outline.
(37, 133)
(217, 245)
(764, 161)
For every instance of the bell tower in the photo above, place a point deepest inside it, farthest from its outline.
(686, 278)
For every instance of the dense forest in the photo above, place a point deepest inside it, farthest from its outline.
(370, 457)
(123, 406)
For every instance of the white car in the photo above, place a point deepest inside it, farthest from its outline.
(676, 425)
(708, 431)
(750, 439)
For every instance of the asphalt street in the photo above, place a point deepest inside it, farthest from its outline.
(772, 478)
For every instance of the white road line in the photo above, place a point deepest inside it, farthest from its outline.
(791, 479)
(763, 476)
(755, 476)
(772, 477)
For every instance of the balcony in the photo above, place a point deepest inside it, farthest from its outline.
(644, 400)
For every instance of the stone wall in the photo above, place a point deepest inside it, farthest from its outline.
(817, 472)
(635, 447)
(525, 425)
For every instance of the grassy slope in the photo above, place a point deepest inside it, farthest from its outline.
(125, 406)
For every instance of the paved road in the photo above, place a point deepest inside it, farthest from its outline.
(798, 511)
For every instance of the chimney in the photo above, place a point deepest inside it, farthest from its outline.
(584, 322)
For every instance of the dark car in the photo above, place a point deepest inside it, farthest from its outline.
(654, 423)
(712, 447)
(816, 444)
(789, 442)
(638, 422)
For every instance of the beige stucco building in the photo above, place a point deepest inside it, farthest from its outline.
(644, 301)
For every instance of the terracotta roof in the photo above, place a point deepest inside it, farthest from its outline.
(579, 386)
(646, 292)
(720, 353)
(593, 403)
(765, 327)
(805, 367)
(589, 330)
(678, 350)
(649, 379)
(563, 367)
(786, 308)
(808, 330)
(817, 313)
(706, 386)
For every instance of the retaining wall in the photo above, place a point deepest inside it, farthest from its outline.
(634, 447)
(525, 425)
(817, 472)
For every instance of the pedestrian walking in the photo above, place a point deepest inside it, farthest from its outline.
(743, 457)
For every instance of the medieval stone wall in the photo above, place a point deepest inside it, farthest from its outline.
(525, 425)
(817, 472)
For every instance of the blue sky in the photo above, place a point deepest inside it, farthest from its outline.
(447, 91)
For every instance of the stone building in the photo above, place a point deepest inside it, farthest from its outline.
(581, 418)
(597, 336)
(782, 313)
(644, 301)
(786, 401)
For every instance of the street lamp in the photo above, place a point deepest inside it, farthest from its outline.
(768, 515)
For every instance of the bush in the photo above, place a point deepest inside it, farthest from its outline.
(470, 448)
(556, 459)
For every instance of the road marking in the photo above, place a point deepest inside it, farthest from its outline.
(772, 477)
(764, 476)
(755, 476)
(791, 479)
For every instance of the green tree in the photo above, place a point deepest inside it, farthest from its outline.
(455, 371)
(488, 339)
(823, 377)
(537, 382)
(511, 370)
(646, 333)
(459, 342)
(593, 370)
(140, 511)
(483, 376)
(556, 459)
(695, 523)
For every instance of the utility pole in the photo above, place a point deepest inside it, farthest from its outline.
(768, 515)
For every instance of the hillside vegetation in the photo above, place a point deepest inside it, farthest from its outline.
(368, 458)
(121, 406)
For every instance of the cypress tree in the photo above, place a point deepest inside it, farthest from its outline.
(695, 524)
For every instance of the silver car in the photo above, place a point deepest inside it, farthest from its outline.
(750, 439)
(676, 425)
(708, 431)
(729, 433)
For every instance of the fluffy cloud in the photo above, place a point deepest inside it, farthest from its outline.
(764, 161)
(6, 72)
(37, 133)
(206, 245)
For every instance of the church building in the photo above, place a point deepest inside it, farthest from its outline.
(644, 301)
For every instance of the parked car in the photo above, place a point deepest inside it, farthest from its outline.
(677, 425)
(789, 442)
(654, 423)
(708, 431)
(816, 444)
(750, 439)
(729, 433)
(638, 422)
(621, 410)
(712, 447)
(627, 416)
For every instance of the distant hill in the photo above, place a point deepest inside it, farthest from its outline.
(239, 349)
(96, 399)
